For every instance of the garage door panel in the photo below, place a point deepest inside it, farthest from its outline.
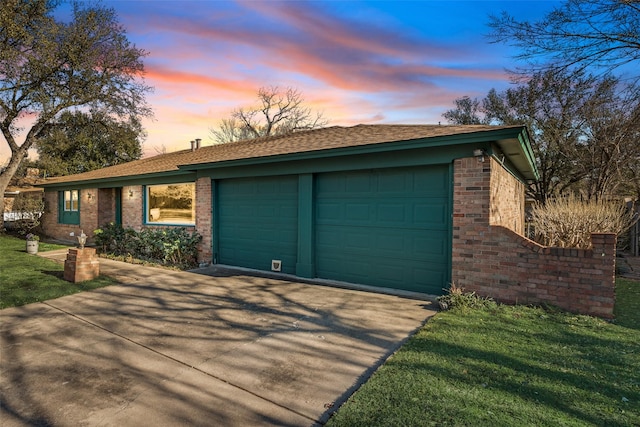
(433, 214)
(357, 212)
(432, 245)
(387, 228)
(404, 213)
(386, 243)
(428, 278)
(392, 213)
(258, 222)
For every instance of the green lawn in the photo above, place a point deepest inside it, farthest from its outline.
(627, 309)
(509, 366)
(28, 278)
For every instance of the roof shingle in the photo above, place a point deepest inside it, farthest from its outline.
(299, 142)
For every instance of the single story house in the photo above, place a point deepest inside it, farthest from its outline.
(400, 207)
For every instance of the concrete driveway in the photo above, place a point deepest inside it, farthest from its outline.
(167, 348)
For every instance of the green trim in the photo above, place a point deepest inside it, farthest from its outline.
(518, 157)
(451, 141)
(405, 158)
(118, 213)
(305, 266)
(150, 179)
(449, 243)
(525, 143)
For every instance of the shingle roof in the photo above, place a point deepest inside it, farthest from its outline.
(299, 142)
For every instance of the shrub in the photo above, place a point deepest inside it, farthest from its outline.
(171, 246)
(568, 222)
(29, 208)
(457, 298)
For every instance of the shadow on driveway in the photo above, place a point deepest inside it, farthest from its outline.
(178, 348)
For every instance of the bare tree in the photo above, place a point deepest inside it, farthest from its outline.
(47, 67)
(578, 34)
(160, 149)
(279, 111)
(608, 157)
(584, 128)
(467, 112)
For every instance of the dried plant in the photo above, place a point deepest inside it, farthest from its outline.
(567, 222)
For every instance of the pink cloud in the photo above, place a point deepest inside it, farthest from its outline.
(309, 41)
(206, 62)
(162, 76)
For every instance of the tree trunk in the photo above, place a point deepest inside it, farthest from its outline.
(2, 210)
(5, 177)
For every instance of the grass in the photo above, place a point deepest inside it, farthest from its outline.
(509, 366)
(627, 309)
(28, 278)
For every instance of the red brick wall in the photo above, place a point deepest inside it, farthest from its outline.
(507, 200)
(132, 215)
(100, 209)
(204, 219)
(106, 205)
(132, 207)
(492, 259)
(88, 216)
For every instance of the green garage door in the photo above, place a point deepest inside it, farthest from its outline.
(386, 227)
(257, 222)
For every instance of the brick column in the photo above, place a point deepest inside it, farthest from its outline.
(203, 219)
(81, 265)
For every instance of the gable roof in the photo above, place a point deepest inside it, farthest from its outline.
(328, 138)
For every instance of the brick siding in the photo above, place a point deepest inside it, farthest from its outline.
(100, 209)
(106, 205)
(132, 207)
(492, 258)
(88, 216)
(204, 219)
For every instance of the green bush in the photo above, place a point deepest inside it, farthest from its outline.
(170, 246)
(456, 298)
(567, 222)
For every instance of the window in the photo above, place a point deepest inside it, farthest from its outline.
(71, 200)
(69, 207)
(171, 204)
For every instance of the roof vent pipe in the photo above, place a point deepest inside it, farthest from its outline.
(198, 140)
(193, 146)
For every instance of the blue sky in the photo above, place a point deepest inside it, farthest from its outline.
(357, 61)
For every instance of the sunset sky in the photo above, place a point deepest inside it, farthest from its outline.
(358, 62)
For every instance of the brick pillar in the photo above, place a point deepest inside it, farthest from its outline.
(81, 265)
(203, 219)
(604, 256)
